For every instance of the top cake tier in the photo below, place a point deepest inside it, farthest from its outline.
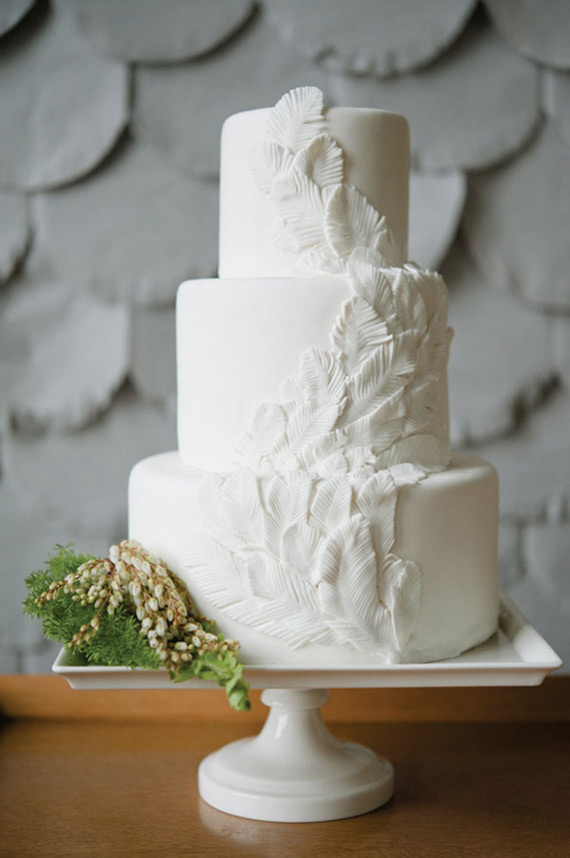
(376, 150)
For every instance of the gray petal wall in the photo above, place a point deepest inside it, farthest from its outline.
(110, 120)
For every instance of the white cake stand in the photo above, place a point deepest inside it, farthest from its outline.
(295, 770)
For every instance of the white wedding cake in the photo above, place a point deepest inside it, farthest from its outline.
(314, 509)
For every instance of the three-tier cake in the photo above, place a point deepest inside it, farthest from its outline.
(314, 509)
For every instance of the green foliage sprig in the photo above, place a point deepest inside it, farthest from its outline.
(130, 609)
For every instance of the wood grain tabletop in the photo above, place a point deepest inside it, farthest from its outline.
(81, 787)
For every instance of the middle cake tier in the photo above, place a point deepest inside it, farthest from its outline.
(239, 339)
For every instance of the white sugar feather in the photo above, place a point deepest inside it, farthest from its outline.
(323, 377)
(348, 571)
(310, 420)
(350, 221)
(269, 164)
(242, 506)
(332, 504)
(300, 547)
(321, 161)
(297, 118)
(357, 331)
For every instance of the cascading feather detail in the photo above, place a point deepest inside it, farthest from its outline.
(299, 538)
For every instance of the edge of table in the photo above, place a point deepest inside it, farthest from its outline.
(50, 697)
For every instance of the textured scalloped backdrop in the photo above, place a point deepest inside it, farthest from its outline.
(110, 122)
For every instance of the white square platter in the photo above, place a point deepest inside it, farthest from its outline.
(516, 655)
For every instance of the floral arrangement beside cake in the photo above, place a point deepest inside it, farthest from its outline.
(314, 510)
(129, 609)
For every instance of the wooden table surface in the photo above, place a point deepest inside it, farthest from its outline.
(118, 784)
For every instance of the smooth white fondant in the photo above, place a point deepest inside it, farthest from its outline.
(447, 525)
(376, 161)
(303, 538)
(300, 538)
(236, 342)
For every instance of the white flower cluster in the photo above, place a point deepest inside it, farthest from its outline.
(161, 602)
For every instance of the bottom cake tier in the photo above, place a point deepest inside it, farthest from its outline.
(447, 524)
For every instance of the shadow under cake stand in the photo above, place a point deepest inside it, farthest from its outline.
(295, 770)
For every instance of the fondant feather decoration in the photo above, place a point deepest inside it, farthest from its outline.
(300, 538)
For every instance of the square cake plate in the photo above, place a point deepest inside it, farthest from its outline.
(295, 770)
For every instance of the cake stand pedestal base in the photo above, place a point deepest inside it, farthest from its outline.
(295, 770)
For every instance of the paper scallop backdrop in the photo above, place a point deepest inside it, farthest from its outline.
(547, 562)
(534, 466)
(63, 106)
(484, 320)
(69, 354)
(19, 523)
(379, 37)
(538, 28)
(557, 100)
(153, 370)
(81, 478)
(14, 232)
(12, 12)
(133, 230)
(516, 222)
(436, 205)
(157, 30)
(181, 108)
(455, 123)
(69, 488)
(544, 548)
(561, 349)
